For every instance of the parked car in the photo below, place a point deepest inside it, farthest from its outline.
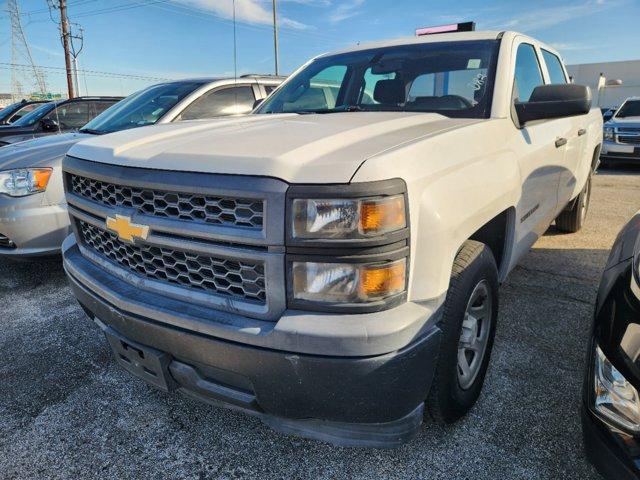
(622, 135)
(611, 403)
(55, 117)
(33, 215)
(608, 113)
(16, 111)
(331, 262)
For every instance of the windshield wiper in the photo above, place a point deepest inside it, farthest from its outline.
(343, 109)
(91, 131)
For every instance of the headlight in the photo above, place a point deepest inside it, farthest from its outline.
(348, 218)
(19, 183)
(608, 133)
(346, 283)
(615, 398)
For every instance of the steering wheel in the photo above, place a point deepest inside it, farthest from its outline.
(462, 102)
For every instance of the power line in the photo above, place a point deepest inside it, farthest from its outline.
(95, 73)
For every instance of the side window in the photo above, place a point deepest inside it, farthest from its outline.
(554, 66)
(423, 86)
(99, 107)
(321, 93)
(370, 81)
(71, 116)
(528, 74)
(270, 88)
(226, 101)
(23, 111)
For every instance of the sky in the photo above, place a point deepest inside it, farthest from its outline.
(169, 39)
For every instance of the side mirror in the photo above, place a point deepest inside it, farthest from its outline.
(49, 125)
(554, 101)
(257, 103)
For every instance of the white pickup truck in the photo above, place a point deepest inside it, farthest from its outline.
(331, 263)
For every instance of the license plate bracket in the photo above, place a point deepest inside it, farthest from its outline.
(144, 362)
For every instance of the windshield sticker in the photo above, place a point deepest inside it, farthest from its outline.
(474, 63)
(478, 82)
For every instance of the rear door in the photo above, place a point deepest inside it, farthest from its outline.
(539, 151)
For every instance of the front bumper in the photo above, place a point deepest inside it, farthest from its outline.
(31, 227)
(374, 399)
(613, 151)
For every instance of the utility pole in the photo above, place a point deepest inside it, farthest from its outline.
(275, 36)
(64, 27)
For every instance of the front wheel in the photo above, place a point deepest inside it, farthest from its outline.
(572, 220)
(468, 328)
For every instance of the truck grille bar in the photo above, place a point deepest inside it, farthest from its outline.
(225, 277)
(235, 212)
(210, 239)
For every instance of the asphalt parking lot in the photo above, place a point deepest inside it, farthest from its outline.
(67, 411)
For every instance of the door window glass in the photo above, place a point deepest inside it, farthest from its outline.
(227, 101)
(528, 74)
(71, 116)
(320, 93)
(554, 66)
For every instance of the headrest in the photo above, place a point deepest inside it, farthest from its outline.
(390, 91)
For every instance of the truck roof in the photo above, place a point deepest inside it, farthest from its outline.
(442, 37)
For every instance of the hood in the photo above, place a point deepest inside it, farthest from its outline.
(316, 148)
(39, 152)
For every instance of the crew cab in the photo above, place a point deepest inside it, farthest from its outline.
(331, 263)
(622, 134)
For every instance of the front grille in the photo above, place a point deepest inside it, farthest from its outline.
(629, 130)
(238, 279)
(629, 139)
(213, 210)
(6, 243)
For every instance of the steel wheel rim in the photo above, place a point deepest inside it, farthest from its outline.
(474, 337)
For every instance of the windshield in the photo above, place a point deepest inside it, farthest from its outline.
(631, 108)
(143, 108)
(34, 116)
(451, 78)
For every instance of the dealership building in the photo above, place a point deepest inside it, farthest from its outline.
(610, 82)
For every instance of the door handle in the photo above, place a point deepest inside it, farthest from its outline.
(582, 131)
(561, 142)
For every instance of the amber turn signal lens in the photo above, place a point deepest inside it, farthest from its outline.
(41, 178)
(378, 281)
(382, 215)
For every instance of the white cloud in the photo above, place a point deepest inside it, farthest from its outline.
(346, 10)
(551, 16)
(247, 11)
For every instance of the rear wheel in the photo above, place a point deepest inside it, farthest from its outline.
(572, 220)
(468, 327)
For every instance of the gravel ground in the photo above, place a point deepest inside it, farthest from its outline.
(67, 411)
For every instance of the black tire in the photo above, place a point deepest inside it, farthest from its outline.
(572, 220)
(473, 266)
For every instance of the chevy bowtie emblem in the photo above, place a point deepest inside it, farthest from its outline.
(126, 230)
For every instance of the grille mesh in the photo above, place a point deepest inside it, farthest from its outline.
(628, 139)
(235, 212)
(233, 278)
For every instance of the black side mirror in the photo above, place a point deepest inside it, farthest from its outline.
(49, 125)
(554, 101)
(257, 103)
